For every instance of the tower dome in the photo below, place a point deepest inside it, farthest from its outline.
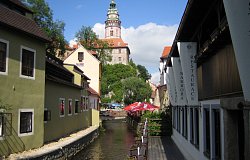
(113, 23)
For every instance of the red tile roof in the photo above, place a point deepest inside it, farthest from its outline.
(92, 52)
(166, 51)
(93, 92)
(116, 42)
(21, 23)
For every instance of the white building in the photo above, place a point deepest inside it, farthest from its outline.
(208, 79)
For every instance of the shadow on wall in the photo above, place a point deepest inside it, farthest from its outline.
(11, 142)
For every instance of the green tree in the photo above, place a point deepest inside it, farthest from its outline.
(122, 82)
(43, 16)
(135, 90)
(132, 64)
(90, 41)
(112, 76)
(143, 73)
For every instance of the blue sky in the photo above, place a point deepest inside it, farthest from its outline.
(147, 25)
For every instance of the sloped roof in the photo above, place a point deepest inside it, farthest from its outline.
(20, 4)
(21, 23)
(116, 42)
(166, 51)
(92, 92)
(74, 50)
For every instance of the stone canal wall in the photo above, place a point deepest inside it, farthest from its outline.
(70, 149)
(63, 149)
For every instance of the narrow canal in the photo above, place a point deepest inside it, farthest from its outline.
(112, 144)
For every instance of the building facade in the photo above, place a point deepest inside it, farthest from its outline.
(88, 63)
(206, 79)
(22, 74)
(120, 50)
(66, 100)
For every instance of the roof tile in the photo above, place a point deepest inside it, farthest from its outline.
(14, 20)
(166, 51)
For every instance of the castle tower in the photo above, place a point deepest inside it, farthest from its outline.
(113, 23)
(120, 50)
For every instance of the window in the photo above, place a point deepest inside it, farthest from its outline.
(185, 123)
(196, 128)
(178, 119)
(120, 50)
(26, 122)
(207, 132)
(4, 46)
(191, 126)
(87, 103)
(112, 33)
(27, 62)
(217, 139)
(80, 56)
(47, 115)
(76, 106)
(120, 59)
(70, 107)
(61, 107)
(174, 117)
(82, 103)
(212, 129)
(1, 125)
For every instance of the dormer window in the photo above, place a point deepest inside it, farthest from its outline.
(80, 56)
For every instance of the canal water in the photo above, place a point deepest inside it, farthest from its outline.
(112, 144)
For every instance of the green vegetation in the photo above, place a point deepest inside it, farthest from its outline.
(123, 84)
(159, 123)
(43, 16)
(143, 73)
(4, 106)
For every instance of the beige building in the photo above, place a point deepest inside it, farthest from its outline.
(88, 63)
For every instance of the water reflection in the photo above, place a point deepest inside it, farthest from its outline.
(113, 144)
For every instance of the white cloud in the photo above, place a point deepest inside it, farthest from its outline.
(99, 29)
(155, 79)
(146, 43)
(72, 42)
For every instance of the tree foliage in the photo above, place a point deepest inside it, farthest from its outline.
(43, 16)
(90, 41)
(122, 83)
(136, 90)
(143, 73)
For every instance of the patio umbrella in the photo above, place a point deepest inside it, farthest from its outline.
(145, 106)
(131, 106)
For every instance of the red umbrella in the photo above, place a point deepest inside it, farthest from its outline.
(145, 106)
(132, 106)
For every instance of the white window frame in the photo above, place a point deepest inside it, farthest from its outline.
(70, 100)
(210, 105)
(34, 70)
(19, 116)
(60, 99)
(7, 56)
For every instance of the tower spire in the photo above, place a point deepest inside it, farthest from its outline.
(113, 23)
